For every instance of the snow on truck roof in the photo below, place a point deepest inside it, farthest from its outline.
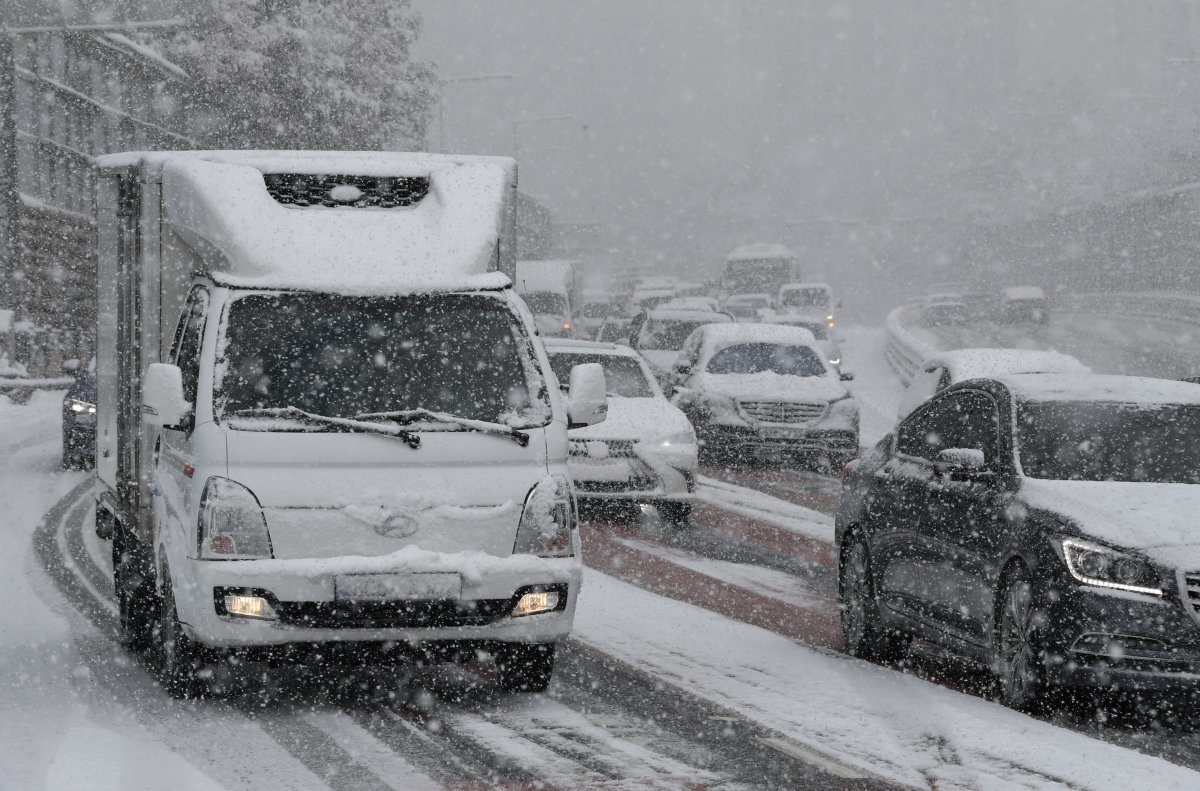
(219, 203)
(755, 252)
(1024, 292)
(1108, 388)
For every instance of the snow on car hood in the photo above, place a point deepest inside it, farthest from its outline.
(1132, 515)
(636, 419)
(770, 386)
(659, 359)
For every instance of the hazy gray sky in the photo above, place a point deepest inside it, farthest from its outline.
(710, 122)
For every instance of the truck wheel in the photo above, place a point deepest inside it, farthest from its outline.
(133, 579)
(675, 512)
(525, 668)
(181, 659)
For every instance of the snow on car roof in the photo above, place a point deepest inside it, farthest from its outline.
(218, 203)
(561, 345)
(756, 332)
(688, 314)
(976, 363)
(1100, 387)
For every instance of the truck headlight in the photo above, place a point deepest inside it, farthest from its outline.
(1098, 565)
(232, 524)
(548, 520)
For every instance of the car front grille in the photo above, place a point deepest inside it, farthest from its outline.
(783, 411)
(1190, 592)
(617, 448)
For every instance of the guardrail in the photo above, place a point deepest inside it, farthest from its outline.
(1183, 308)
(904, 351)
(19, 389)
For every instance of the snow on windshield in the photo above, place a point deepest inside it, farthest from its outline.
(342, 356)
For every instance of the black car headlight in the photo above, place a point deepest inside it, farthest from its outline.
(1104, 567)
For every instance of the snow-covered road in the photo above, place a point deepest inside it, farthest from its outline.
(700, 659)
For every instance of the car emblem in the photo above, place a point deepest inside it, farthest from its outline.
(397, 526)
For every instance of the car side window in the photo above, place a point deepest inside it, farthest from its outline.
(959, 420)
(188, 337)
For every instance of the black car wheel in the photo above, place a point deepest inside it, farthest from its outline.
(525, 668)
(675, 512)
(862, 629)
(1018, 666)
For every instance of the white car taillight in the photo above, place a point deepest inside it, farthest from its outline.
(548, 520)
(232, 524)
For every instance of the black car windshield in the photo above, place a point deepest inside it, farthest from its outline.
(546, 302)
(1088, 441)
(667, 334)
(755, 358)
(336, 356)
(624, 375)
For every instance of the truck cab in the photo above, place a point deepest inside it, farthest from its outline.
(324, 417)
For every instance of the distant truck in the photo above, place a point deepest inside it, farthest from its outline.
(323, 423)
(1024, 305)
(759, 268)
(551, 290)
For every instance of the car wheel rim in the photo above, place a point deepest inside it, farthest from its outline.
(857, 590)
(1016, 651)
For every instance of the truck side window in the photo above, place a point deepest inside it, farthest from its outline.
(186, 353)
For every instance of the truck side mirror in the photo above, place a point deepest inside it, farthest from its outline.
(587, 403)
(163, 404)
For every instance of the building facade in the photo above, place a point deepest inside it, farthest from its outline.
(66, 97)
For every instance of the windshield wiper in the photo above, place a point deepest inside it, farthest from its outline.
(340, 423)
(408, 416)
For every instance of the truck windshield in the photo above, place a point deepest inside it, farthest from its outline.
(546, 303)
(336, 356)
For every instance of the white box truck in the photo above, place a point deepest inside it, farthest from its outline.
(551, 290)
(325, 422)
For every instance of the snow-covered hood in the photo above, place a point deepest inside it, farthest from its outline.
(1143, 516)
(770, 386)
(645, 419)
(659, 359)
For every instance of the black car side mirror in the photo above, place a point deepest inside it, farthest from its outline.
(963, 464)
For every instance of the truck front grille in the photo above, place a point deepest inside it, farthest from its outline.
(359, 192)
(617, 448)
(783, 411)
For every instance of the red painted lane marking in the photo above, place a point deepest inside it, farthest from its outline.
(655, 574)
(753, 531)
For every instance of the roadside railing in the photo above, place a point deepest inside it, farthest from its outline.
(904, 350)
(1164, 306)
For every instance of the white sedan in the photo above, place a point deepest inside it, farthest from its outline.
(645, 450)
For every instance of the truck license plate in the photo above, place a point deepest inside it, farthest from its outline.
(780, 433)
(397, 587)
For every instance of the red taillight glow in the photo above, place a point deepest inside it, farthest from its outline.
(189, 470)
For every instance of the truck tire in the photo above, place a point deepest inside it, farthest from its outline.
(525, 667)
(133, 580)
(180, 659)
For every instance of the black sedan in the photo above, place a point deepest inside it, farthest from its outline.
(1043, 524)
(79, 417)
